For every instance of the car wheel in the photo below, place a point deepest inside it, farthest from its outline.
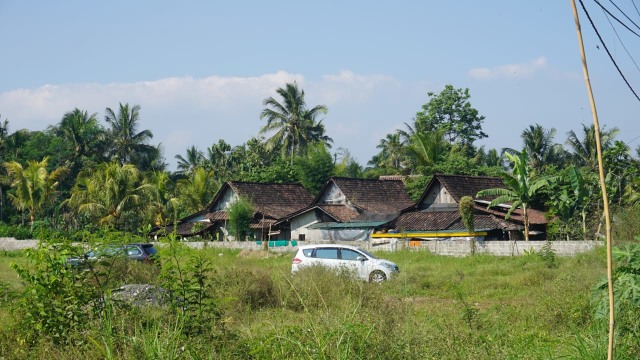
(377, 277)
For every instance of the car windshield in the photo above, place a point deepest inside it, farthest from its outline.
(367, 253)
(150, 249)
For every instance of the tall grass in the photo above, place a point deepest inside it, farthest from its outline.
(479, 307)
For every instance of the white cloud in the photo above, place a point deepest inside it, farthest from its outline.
(185, 111)
(509, 70)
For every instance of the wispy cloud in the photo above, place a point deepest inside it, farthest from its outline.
(509, 70)
(185, 111)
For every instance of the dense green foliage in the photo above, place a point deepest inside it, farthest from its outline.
(86, 174)
(240, 216)
(245, 305)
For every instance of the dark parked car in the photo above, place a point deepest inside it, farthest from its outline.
(135, 251)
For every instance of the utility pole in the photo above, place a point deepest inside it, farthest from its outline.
(605, 198)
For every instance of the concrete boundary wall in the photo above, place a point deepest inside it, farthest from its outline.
(506, 248)
(460, 247)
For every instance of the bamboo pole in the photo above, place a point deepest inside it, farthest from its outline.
(605, 198)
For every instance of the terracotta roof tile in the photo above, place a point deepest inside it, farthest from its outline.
(463, 185)
(217, 216)
(273, 200)
(536, 217)
(341, 213)
(447, 220)
(379, 196)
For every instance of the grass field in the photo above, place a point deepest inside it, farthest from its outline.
(477, 307)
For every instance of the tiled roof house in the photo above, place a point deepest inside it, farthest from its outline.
(437, 210)
(270, 201)
(348, 209)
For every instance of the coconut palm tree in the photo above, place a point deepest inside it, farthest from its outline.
(197, 190)
(194, 159)
(164, 205)
(521, 189)
(428, 148)
(584, 148)
(392, 152)
(109, 192)
(295, 126)
(81, 131)
(128, 145)
(33, 187)
(539, 144)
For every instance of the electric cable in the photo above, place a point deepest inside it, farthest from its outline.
(607, 49)
(623, 13)
(621, 43)
(613, 16)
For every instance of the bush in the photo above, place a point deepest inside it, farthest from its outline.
(16, 231)
(626, 285)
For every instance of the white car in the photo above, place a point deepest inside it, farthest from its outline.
(337, 256)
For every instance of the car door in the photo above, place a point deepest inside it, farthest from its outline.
(328, 257)
(356, 262)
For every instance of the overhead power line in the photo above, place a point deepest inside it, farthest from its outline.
(613, 16)
(607, 49)
(623, 13)
(621, 43)
(634, 5)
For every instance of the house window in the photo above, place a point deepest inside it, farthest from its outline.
(301, 237)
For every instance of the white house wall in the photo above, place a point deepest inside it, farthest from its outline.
(228, 198)
(299, 226)
(333, 195)
(438, 195)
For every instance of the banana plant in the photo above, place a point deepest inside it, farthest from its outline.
(521, 188)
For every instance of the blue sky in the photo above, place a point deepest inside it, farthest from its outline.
(201, 69)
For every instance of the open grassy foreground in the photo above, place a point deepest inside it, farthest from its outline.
(248, 306)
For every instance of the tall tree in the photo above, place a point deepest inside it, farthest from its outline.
(451, 111)
(81, 132)
(4, 132)
(193, 159)
(196, 190)
(427, 148)
(392, 152)
(584, 147)
(521, 189)
(112, 194)
(128, 144)
(314, 170)
(33, 187)
(539, 144)
(346, 165)
(164, 205)
(296, 127)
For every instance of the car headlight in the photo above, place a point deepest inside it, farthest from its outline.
(391, 267)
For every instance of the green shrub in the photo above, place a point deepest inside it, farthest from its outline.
(626, 287)
(187, 274)
(54, 302)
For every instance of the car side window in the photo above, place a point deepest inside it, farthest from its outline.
(327, 253)
(308, 252)
(132, 250)
(348, 254)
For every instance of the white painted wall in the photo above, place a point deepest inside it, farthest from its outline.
(299, 226)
